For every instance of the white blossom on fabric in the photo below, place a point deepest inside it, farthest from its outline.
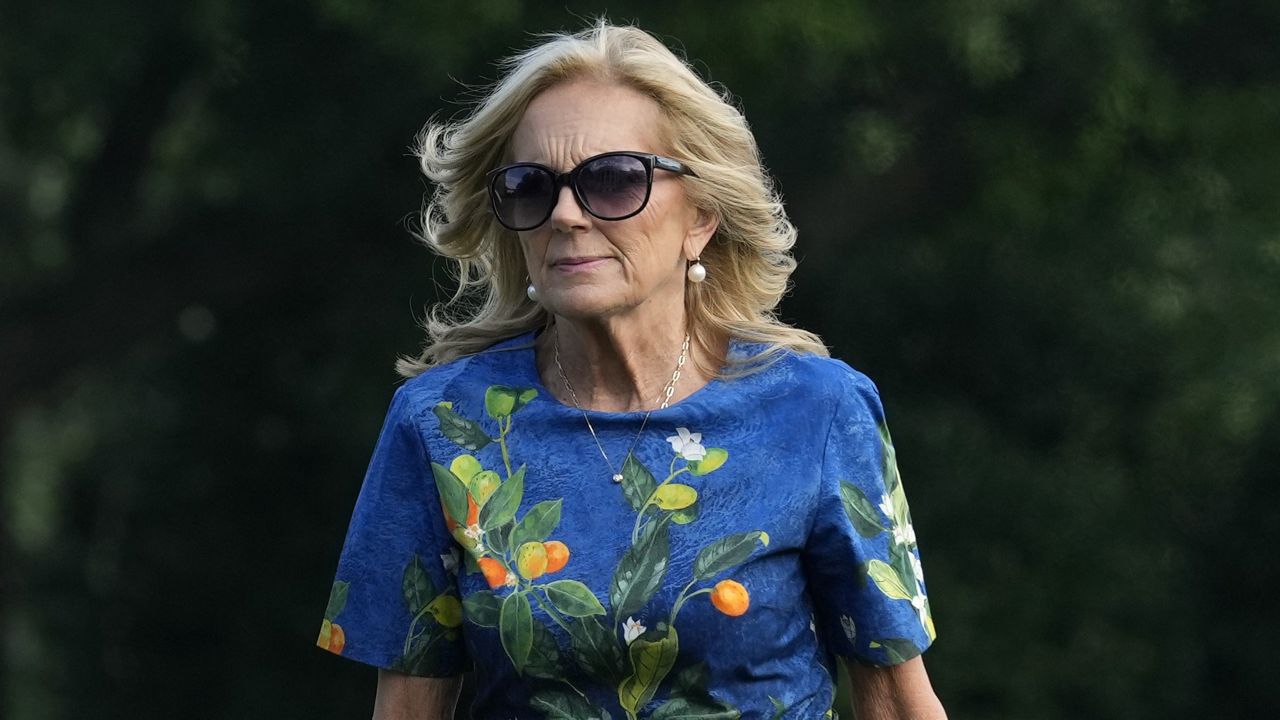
(632, 629)
(904, 534)
(886, 506)
(687, 445)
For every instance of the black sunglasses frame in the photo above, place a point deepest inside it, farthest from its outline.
(650, 161)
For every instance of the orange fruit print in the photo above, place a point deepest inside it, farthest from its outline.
(730, 598)
(494, 573)
(557, 555)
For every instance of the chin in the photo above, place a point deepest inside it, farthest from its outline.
(584, 304)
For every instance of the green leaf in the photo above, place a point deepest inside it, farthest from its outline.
(497, 539)
(637, 482)
(453, 492)
(651, 660)
(725, 553)
(503, 503)
(417, 586)
(419, 659)
(560, 705)
(691, 709)
(640, 571)
(544, 655)
(886, 578)
(469, 563)
(779, 708)
(864, 515)
(515, 629)
(337, 599)
(572, 598)
(710, 462)
(596, 650)
(692, 681)
(674, 496)
(501, 401)
(900, 561)
(482, 608)
(460, 430)
(898, 650)
(537, 524)
(685, 516)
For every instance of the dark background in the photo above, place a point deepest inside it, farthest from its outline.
(1048, 230)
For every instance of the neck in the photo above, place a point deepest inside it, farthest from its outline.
(620, 364)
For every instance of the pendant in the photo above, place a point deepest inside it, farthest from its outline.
(617, 477)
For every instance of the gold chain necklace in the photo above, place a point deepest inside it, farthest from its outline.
(664, 401)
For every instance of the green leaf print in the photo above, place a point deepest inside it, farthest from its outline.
(725, 553)
(572, 598)
(460, 430)
(537, 524)
(482, 608)
(497, 538)
(453, 493)
(897, 650)
(417, 586)
(711, 462)
(864, 515)
(779, 708)
(502, 505)
(900, 560)
(674, 496)
(887, 579)
(544, 655)
(689, 709)
(637, 482)
(692, 681)
(515, 629)
(651, 660)
(596, 650)
(686, 515)
(501, 401)
(559, 705)
(337, 600)
(640, 571)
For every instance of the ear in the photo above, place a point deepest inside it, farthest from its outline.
(700, 233)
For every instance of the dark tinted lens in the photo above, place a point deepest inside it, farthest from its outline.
(614, 186)
(523, 196)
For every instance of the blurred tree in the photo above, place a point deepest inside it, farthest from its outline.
(1048, 231)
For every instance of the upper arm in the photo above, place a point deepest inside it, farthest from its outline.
(896, 692)
(407, 697)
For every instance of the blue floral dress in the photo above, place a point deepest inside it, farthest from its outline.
(759, 530)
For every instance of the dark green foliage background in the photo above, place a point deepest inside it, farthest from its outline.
(1049, 231)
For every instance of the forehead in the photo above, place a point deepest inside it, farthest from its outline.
(575, 120)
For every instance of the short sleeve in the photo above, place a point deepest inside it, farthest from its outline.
(394, 601)
(861, 559)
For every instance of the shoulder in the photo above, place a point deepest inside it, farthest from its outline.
(440, 383)
(820, 382)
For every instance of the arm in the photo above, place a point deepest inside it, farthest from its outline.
(897, 692)
(405, 697)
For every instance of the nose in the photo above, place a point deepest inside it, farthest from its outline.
(568, 215)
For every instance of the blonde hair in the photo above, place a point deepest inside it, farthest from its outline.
(748, 259)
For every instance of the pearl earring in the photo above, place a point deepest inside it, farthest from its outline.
(697, 272)
(532, 292)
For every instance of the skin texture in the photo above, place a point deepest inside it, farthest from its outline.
(621, 320)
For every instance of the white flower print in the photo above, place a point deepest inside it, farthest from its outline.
(917, 568)
(904, 534)
(450, 561)
(632, 629)
(850, 629)
(687, 445)
(474, 532)
(511, 580)
(886, 506)
(918, 603)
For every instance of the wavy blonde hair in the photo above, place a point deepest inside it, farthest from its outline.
(748, 259)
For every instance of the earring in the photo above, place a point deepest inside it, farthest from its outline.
(532, 292)
(697, 272)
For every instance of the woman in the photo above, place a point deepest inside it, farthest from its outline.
(620, 486)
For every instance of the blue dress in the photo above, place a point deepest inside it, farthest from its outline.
(760, 529)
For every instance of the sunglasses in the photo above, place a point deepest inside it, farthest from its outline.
(609, 186)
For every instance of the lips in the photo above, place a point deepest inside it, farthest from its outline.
(571, 264)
